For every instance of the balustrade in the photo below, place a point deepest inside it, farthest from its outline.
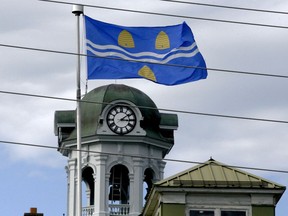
(114, 209)
(119, 209)
(88, 211)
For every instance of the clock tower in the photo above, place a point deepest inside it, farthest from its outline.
(124, 141)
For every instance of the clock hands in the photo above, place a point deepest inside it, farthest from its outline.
(123, 118)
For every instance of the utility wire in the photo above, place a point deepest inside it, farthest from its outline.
(153, 108)
(228, 7)
(171, 15)
(173, 65)
(133, 155)
(39, 49)
(187, 112)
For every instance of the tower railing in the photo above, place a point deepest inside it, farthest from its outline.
(88, 211)
(114, 209)
(119, 209)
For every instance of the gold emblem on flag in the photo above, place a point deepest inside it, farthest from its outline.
(125, 39)
(147, 73)
(162, 41)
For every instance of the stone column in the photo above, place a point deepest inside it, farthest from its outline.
(136, 195)
(71, 187)
(101, 199)
(161, 165)
(107, 177)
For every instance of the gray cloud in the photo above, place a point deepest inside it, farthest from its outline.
(237, 47)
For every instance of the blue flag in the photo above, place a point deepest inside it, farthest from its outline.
(166, 55)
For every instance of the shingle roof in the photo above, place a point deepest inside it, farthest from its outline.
(215, 174)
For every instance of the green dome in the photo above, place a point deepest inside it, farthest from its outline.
(96, 100)
(154, 127)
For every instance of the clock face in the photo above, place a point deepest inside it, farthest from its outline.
(121, 119)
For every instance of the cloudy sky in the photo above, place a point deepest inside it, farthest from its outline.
(35, 177)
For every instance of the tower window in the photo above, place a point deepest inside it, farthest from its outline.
(119, 185)
(148, 179)
(87, 176)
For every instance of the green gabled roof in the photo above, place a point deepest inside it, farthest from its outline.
(210, 177)
(168, 121)
(64, 118)
(214, 174)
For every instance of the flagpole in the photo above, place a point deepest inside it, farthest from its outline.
(78, 10)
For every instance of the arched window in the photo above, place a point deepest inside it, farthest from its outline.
(87, 177)
(119, 185)
(148, 179)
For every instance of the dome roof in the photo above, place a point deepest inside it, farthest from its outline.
(96, 100)
(158, 128)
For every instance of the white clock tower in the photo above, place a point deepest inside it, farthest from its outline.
(124, 141)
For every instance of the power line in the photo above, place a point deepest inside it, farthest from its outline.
(40, 96)
(170, 110)
(160, 109)
(228, 7)
(247, 73)
(173, 65)
(133, 155)
(38, 49)
(172, 15)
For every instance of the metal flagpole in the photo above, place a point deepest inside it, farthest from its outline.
(78, 10)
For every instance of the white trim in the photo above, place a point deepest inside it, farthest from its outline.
(118, 51)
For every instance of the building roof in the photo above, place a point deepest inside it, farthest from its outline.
(211, 177)
(158, 126)
(104, 95)
(215, 174)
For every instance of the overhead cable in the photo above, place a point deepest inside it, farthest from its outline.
(133, 155)
(228, 7)
(171, 15)
(160, 109)
(173, 65)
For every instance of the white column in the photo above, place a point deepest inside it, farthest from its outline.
(68, 188)
(161, 165)
(100, 202)
(131, 192)
(107, 191)
(136, 196)
(71, 187)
